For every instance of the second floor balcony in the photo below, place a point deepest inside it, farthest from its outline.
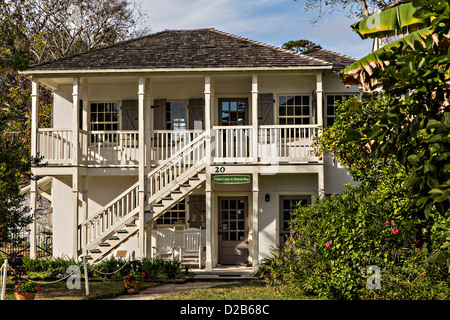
(228, 145)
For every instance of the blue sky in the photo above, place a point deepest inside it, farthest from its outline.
(270, 21)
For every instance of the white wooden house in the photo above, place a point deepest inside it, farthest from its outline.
(184, 128)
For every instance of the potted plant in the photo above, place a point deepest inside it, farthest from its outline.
(25, 290)
(133, 281)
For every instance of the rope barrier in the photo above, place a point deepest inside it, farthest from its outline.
(42, 282)
(65, 277)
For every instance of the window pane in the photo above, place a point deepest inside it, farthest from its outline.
(290, 101)
(306, 111)
(306, 100)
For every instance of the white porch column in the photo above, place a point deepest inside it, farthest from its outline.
(255, 118)
(255, 220)
(321, 181)
(85, 98)
(319, 100)
(208, 118)
(33, 189)
(75, 173)
(141, 124)
(148, 126)
(208, 190)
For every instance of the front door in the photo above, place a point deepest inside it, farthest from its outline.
(233, 233)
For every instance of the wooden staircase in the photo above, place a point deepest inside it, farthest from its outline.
(165, 186)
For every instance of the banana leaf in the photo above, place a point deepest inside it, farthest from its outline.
(360, 72)
(397, 20)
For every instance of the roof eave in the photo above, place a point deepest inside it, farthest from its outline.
(171, 70)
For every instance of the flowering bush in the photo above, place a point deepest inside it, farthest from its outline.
(26, 287)
(329, 254)
(135, 276)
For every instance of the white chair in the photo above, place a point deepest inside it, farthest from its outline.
(165, 243)
(190, 252)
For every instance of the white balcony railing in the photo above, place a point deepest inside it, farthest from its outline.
(287, 143)
(229, 144)
(165, 143)
(56, 146)
(113, 148)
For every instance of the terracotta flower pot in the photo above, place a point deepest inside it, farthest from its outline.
(133, 287)
(25, 295)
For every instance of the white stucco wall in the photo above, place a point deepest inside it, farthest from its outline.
(276, 186)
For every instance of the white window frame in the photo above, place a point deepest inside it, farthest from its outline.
(104, 122)
(310, 116)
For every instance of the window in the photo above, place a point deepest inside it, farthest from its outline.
(330, 109)
(176, 115)
(175, 215)
(104, 116)
(287, 205)
(233, 112)
(294, 109)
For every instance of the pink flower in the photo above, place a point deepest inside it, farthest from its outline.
(395, 230)
(327, 244)
(387, 223)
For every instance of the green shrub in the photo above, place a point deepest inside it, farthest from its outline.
(56, 265)
(162, 269)
(337, 238)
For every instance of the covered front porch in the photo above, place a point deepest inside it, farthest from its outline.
(252, 119)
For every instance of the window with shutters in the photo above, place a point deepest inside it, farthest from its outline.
(176, 115)
(330, 113)
(104, 116)
(294, 109)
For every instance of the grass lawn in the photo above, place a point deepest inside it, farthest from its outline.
(254, 290)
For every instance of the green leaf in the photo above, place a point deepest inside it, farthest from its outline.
(433, 124)
(435, 191)
(439, 257)
(413, 158)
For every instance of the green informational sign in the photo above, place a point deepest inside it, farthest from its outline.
(228, 179)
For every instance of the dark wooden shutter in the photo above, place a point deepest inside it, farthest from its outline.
(159, 114)
(130, 115)
(196, 108)
(265, 109)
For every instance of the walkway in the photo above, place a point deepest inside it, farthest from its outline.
(203, 279)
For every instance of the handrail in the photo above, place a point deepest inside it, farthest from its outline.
(127, 202)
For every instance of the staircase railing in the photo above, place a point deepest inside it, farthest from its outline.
(179, 166)
(123, 208)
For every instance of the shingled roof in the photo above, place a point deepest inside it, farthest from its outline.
(339, 61)
(185, 49)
